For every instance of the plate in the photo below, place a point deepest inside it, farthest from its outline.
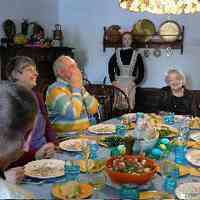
(67, 134)
(45, 168)
(193, 144)
(195, 135)
(155, 195)
(102, 129)
(167, 131)
(143, 30)
(111, 141)
(155, 120)
(195, 123)
(179, 118)
(131, 116)
(59, 190)
(188, 191)
(193, 157)
(94, 166)
(169, 31)
(72, 144)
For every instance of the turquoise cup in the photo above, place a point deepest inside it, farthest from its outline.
(129, 192)
(121, 130)
(169, 119)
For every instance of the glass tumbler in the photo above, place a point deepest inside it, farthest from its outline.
(97, 180)
(129, 192)
(170, 184)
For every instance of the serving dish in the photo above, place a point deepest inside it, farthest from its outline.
(130, 170)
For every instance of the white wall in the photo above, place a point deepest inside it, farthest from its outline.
(83, 22)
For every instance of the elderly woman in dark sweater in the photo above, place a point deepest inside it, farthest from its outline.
(175, 97)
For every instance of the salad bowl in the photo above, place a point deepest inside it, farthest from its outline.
(131, 169)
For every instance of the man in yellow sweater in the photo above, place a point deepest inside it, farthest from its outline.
(68, 103)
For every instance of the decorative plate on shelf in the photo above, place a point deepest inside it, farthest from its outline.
(113, 34)
(169, 31)
(143, 30)
(45, 168)
(188, 191)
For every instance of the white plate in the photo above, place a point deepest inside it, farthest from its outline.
(195, 135)
(179, 118)
(101, 129)
(193, 157)
(45, 168)
(67, 134)
(188, 191)
(72, 144)
(131, 116)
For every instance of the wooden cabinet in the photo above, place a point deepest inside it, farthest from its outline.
(44, 58)
(155, 42)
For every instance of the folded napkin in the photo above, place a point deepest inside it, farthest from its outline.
(185, 170)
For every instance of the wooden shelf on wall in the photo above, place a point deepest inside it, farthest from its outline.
(156, 42)
(44, 58)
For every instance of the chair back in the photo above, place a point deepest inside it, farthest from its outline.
(106, 97)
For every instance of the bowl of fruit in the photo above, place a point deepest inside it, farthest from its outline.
(131, 169)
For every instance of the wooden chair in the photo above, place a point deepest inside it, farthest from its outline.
(106, 96)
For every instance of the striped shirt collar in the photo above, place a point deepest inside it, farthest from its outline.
(62, 81)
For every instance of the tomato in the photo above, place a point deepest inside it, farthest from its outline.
(119, 164)
(130, 159)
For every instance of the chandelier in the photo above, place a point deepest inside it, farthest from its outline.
(161, 6)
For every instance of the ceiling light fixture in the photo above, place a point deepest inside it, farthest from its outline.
(161, 6)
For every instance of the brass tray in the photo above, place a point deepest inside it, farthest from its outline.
(143, 30)
(169, 31)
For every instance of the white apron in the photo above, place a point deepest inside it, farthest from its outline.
(125, 82)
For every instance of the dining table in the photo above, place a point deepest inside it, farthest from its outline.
(42, 189)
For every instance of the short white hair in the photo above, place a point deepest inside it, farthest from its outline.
(175, 71)
(59, 62)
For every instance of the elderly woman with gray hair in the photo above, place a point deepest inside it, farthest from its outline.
(22, 71)
(17, 116)
(175, 97)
